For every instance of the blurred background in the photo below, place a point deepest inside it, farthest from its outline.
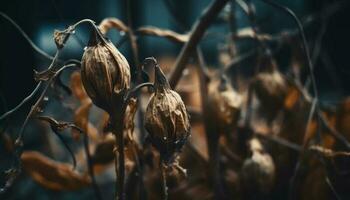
(39, 19)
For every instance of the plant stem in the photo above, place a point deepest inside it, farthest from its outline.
(119, 154)
(90, 167)
(163, 176)
(210, 132)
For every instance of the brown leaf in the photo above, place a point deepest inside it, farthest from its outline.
(171, 35)
(111, 22)
(81, 119)
(77, 88)
(51, 174)
(81, 115)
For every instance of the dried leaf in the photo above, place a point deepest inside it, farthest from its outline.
(81, 119)
(51, 174)
(171, 35)
(111, 22)
(77, 88)
(81, 115)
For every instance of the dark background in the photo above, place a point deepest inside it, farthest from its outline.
(39, 18)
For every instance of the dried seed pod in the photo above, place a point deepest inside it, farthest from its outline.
(167, 120)
(271, 88)
(224, 103)
(105, 73)
(258, 172)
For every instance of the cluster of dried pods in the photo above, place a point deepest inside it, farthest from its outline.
(106, 78)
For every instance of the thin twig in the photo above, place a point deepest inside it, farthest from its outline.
(25, 100)
(26, 37)
(303, 38)
(56, 127)
(328, 152)
(90, 165)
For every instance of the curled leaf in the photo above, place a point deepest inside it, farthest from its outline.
(171, 35)
(51, 174)
(112, 22)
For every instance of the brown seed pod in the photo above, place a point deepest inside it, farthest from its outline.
(258, 171)
(224, 103)
(105, 73)
(166, 119)
(271, 89)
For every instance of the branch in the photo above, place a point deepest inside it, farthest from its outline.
(60, 126)
(329, 153)
(196, 35)
(26, 37)
(56, 127)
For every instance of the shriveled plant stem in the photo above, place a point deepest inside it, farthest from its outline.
(163, 177)
(120, 160)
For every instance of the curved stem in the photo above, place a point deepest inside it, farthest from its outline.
(133, 92)
(64, 142)
(26, 37)
(36, 89)
(25, 100)
(35, 106)
(303, 38)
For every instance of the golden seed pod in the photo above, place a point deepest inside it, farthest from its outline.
(166, 119)
(105, 73)
(224, 103)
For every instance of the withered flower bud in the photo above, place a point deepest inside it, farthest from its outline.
(225, 103)
(258, 171)
(167, 120)
(271, 89)
(105, 73)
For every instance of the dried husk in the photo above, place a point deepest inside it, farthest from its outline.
(105, 73)
(271, 88)
(166, 119)
(225, 104)
(258, 171)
